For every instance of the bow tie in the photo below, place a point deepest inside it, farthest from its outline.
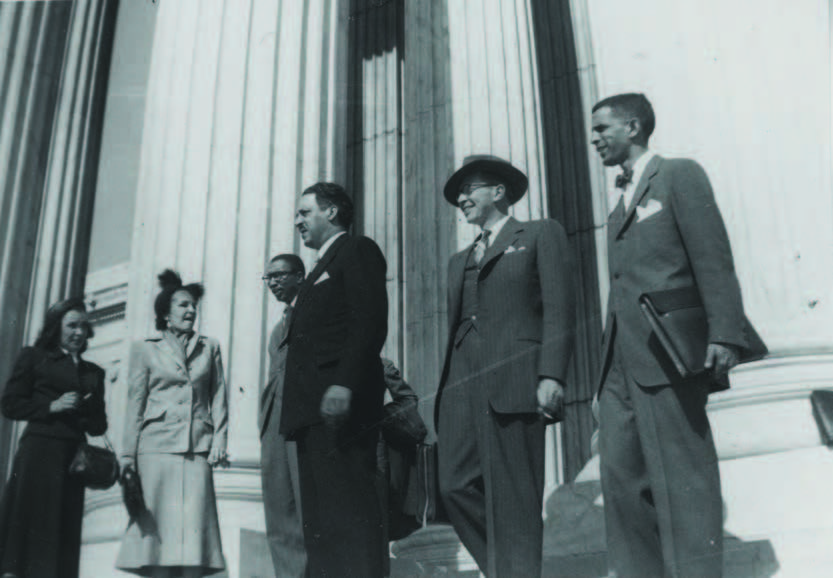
(622, 180)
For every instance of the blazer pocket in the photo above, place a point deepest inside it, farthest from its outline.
(157, 414)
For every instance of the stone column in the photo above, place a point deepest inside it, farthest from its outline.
(240, 118)
(771, 173)
(471, 88)
(242, 114)
(429, 226)
(374, 149)
(495, 105)
(54, 74)
(66, 216)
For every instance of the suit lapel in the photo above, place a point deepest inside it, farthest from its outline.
(194, 344)
(313, 276)
(651, 169)
(68, 366)
(456, 272)
(172, 351)
(508, 234)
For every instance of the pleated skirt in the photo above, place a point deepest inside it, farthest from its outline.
(180, 527)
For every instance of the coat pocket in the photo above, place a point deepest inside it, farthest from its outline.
(153, 415)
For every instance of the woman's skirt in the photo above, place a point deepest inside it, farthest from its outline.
(41, 511)
(180, 527)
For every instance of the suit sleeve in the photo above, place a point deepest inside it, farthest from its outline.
(710, 255)
(219, 400)
(556, 274)
(367, 303)
(137, 393)
(18, 401)
(94, 419)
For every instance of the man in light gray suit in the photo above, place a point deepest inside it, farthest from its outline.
(278, 456)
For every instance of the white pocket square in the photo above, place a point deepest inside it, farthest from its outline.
(652, 207)
(513, 249)
(324, 277)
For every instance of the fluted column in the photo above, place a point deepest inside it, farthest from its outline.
(240, 118)
(66, 216)
(242, 114)
(495, 103)
(55, 59)
(471, 88)
(374, 149)
(429, 227)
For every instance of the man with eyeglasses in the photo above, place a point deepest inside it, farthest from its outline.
(279, 456)
(511, 327)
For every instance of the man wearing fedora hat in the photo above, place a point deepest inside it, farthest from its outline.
(511, 325)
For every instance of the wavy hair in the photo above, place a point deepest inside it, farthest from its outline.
(171, 282)
(50, 334)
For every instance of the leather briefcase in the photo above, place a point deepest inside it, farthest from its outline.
(678, 319)
(94, 466)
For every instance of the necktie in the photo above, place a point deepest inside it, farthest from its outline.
(481, 246)
(623, 179)
(287, 315)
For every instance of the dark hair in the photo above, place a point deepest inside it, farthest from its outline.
(171, 282)
(631, 105)
(335, 195)
(293, 260)
(50, 333)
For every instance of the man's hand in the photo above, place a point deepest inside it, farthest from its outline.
(335, 405)
(720, 358)
(67, 402)
(550, 400)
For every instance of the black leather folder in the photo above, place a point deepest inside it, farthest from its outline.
(679, 321)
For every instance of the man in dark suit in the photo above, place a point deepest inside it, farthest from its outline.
(511, 324)
(278, 455)
(659, 467)
(334, 386)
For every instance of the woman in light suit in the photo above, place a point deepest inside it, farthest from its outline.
(175, 432)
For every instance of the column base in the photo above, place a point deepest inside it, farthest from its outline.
(775, 476)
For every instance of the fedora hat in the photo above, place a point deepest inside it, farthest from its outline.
(515, 181)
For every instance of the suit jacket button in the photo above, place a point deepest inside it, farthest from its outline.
(616, 275)
(474, 317)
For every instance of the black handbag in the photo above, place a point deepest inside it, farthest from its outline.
(402, 426)
(131, 493)
(94, 466)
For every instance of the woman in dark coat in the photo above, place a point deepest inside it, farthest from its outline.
(62, 398)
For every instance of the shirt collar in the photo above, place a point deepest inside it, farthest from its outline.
(640, 164)
(75, 357)
(328, 243)
(627, 194)
(495, 229)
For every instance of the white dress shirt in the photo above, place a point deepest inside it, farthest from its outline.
(630, 190)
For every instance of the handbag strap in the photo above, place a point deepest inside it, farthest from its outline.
(107, 442)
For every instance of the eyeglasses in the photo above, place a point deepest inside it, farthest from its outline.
(278, 276)
(471, 187)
